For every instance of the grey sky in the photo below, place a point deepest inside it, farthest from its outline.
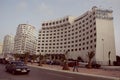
(34, 12)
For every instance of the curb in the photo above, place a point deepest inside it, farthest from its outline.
(110, 68)
(84, 74)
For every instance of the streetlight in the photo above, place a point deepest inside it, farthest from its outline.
(65, 65)
(103, 48)
(109, 58)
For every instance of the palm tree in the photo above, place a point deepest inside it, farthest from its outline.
(65, 64)
(16, 56)
(90, 56)
(40, 59)
(26, 56)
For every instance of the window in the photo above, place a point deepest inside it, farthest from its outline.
(94, 34)
(94, 28)
(87, 32)
(75, 49)
(57, 22)
(83, 38)
(87, 47)
(91, 36)
(86, 18)
(76, 45)
(90, 25)
(79, 27)
(91, 41)
(94, 23)
(49, 23)
(83, 43)
(83, 21)
(95, 46)
(79, 49)
(86, 27)
(87, 37)
(87, 42)
(79, 23)
(72, 50)
(80, 31)
(90, 46)
(76, 36)
(83, 48)
(72, 41)
(83, 29)
(76, 40)
(94, 40)
(76, 28)
(83, 34)
(79, 39)
(79, 44)
(90, 30)
(87, 23)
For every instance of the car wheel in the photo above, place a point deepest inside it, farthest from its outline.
(13, 72)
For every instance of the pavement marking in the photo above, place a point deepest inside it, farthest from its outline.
(59, 75)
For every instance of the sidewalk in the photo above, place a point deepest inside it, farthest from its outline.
(101, 72)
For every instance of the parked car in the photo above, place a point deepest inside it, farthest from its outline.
(3, 61)
(17, 67)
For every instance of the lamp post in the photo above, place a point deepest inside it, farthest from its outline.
(40, 59)
(109, 58)
(65, 65)
(103, 48)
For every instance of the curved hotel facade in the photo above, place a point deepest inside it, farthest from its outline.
(92, 31)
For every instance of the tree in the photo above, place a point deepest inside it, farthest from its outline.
(65, 63)
(34, 57)
(40, 59)
(16, 56)
(90, 56)
(26, 56)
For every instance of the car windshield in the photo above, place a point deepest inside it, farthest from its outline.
(19, 63)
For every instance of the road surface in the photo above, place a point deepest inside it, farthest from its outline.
(44, 74)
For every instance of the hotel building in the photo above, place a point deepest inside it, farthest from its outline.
(25, 39)
(91, 31)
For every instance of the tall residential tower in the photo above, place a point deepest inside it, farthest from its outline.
(8, 44)
(25, 39)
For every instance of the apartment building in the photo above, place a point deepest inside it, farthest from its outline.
(91, 31)
(8, 44)
(25, 39)
(1, 46)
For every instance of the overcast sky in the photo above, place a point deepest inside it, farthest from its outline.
(34, 12)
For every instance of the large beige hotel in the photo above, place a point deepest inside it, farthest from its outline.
(91, 31)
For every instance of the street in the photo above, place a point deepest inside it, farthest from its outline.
(43, 74)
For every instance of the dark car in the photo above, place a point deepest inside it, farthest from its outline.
(3, 61)
(17, 67)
